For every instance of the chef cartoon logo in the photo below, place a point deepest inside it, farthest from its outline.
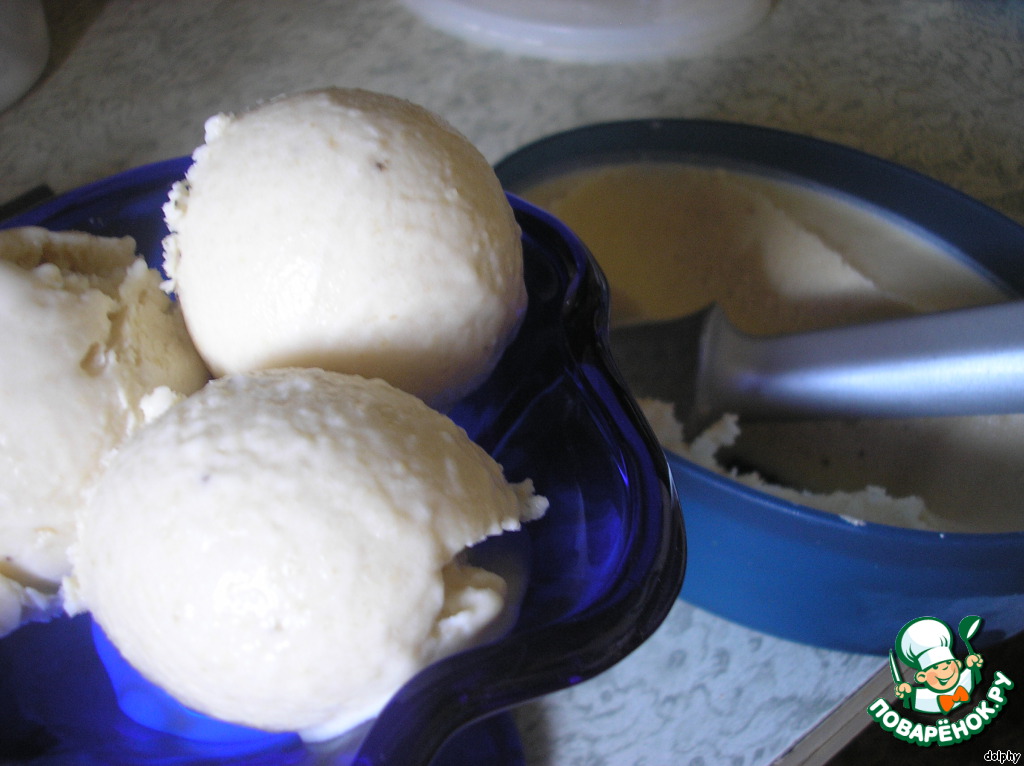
(939, 684)
(942, 681)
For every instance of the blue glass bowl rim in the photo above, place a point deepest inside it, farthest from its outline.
(637, 608)
(992, 241)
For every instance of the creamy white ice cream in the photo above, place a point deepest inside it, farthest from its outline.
(91, 347)
(282, 549)
(782, 257)
(347, 230)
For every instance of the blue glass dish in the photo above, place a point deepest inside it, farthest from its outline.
(605, 563)
(779, 567)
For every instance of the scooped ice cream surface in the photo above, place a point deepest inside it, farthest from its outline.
(92, 347)
(784, 257)
(351, 231)
(282, 549)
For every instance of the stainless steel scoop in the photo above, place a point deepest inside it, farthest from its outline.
(960, 362)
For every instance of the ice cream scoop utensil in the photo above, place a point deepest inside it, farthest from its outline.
(957, 362)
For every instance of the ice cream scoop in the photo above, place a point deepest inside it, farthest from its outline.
(348, 230)
(282, 550)
(956, 362)
(92, 348)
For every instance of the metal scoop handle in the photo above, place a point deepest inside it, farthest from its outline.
(961, 362)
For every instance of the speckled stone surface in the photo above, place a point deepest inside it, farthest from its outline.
(937, 85)
(700, 691)
(933, 84)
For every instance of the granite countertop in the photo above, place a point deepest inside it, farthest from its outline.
(936, 85)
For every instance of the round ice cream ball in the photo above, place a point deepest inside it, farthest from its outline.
(281, 550)
(351, 231)
(91, 348)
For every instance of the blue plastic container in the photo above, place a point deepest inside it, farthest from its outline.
(782, 568)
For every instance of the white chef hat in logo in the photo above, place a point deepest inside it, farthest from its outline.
(925, 642)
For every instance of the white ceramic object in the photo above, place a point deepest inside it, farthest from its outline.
(24, 47)
(594, 30)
